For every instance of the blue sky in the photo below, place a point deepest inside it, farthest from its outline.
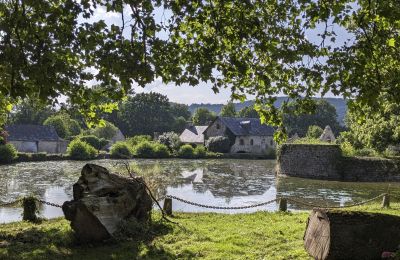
(187, 94)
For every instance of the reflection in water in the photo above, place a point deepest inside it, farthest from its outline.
(212, 182)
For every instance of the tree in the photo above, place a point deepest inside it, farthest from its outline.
(180, 110)
(249, 112)
(378, 130)
(228, 110)
(203, 116)
(106, 131)
(259, 48)
(314, 131)
(30, 112)
(144, 114)
(324, 114)
(64, 125)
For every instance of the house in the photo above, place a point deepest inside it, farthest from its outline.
(247, 135)
(193, 135)
(35, 138)
(327, 135)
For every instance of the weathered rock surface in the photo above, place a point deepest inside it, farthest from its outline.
(102, 200)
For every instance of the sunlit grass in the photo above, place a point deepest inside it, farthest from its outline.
(261, 235)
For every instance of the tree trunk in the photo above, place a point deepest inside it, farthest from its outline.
(350, 235)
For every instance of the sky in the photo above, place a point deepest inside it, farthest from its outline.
(186, 94)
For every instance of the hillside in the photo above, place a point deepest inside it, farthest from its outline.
(338, 103)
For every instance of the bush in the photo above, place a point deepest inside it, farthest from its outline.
(79, 150)
(94, 141)
(3, 137)
(186, 151)
(8, 153)
(120, 150)
(200, 152)
(347, 149)
(64, 125)
(368, 152)
(314, 131)
(137, 139)
(145, 150)
(218, 144)
(161, 150)
(39, 156)
(106, 131)
(171, 140)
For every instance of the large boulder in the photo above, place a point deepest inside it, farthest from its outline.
(102, 201)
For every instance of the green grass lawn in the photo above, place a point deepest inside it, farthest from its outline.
(261, 235)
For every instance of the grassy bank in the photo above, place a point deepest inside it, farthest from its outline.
(261, 235)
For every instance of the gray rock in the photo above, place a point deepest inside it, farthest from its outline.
(102, 201)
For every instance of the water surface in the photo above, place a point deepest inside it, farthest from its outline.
(214, 182)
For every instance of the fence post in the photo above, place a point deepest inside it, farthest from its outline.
(282, 204)
(30, 209)
(386, 201)
(168, 206)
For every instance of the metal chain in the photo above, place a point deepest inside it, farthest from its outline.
(218, 207)
(335, 207)
(49, 203)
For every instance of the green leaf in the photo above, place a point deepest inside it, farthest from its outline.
(391, 42)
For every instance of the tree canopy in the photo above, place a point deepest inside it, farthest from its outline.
(203, 116)
(228, 110)
(262, 48)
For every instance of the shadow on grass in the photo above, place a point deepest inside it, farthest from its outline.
(55, 240)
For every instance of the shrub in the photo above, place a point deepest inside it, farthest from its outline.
(79, 150)
(137, 139)
(94, 141)
(200, 152)
(106, 131)
(219, 144)
(120, 150)
(186, 151)
(59, 124)
(171, 140)
(314, 131)
(347, 149)
(145, 150)
(366, 152)
(39, 156)
(3, 137)
(8, 153)
(161, 150)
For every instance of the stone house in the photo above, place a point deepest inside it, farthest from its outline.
(193, 135)
(247, 135)
(35, 139)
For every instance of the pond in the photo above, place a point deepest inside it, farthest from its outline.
(220, 182)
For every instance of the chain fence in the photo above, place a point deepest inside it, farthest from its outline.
(289, 199)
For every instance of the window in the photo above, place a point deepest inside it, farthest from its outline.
(241, 142)
(271, 142)
(251, 142)
(218, 126)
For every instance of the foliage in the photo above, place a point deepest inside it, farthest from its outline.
(179, 125)
(135, 140)
(120, 150)
(161, 150)
(200, 152)
(79, 150)
(323, 115)
(379, 130)
(203, 116)
(8, 153)
(248, 112)
(106, 131)
(30, 112)
(180, 110)
(347, 148)
(64, 125)
(306, 140)
(219, 144)
(171, 140)
(314, 131)
(228, 110)
(97, 143)
(3, 137)
(186, 151)
(145, 149)
(259, 48)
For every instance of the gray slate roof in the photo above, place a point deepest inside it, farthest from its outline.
(247, 126)
(31, 133)
(193, 134)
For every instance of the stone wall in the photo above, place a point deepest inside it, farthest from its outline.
(326, 162)
(253, 144)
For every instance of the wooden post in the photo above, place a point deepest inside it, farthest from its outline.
(283, 204)
(386, 201)
(30, 209)
(168, 206)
